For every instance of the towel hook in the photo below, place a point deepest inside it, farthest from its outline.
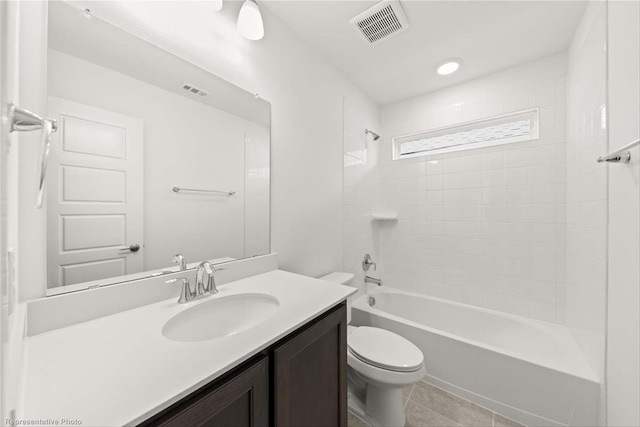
(22, 120)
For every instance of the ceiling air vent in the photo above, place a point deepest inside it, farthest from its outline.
(193, 89)
(381, 21)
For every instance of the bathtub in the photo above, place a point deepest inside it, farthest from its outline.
(528, 370)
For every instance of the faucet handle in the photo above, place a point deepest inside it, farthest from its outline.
(211, 282)
(367, 262)
(210, 269)
(185, 291)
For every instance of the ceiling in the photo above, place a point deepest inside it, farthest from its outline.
(487, 35)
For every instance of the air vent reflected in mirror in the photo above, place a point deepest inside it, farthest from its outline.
(190, 88)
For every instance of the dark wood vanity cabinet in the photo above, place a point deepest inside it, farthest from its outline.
(299, 381)
(310, 375)
(242, 400)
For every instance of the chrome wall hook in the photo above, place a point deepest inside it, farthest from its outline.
(22, 120)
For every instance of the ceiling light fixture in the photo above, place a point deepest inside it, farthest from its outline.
(449, 66)
(250, 21)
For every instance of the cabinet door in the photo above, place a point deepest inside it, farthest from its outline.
(243, 401)
(311, 375)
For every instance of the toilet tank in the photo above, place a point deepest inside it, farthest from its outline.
(339, 278)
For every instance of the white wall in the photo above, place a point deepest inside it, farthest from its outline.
(587, 185)
(623, 313)
(484, 226)
(6, 52)
(186, 143)
(25, 230)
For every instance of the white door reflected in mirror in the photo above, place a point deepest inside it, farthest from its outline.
(94, 202)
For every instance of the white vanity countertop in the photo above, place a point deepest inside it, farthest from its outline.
(120, 369)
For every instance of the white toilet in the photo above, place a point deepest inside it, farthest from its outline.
(380, 364)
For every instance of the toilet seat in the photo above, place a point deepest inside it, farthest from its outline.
(384, 349)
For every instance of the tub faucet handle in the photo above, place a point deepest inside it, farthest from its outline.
(367, 262)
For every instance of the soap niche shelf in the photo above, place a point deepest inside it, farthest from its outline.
(384, 216)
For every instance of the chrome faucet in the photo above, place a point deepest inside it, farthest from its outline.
(369, 279)
(210, 288)
(179, 259)
(201, 290)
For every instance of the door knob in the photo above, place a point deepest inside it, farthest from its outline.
(133, 248)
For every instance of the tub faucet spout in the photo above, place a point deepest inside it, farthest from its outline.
(369, 279)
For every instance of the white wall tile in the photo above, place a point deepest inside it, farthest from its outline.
(490, 230)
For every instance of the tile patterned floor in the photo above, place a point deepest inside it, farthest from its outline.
(429, 406)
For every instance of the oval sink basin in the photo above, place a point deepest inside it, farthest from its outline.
(220, 317)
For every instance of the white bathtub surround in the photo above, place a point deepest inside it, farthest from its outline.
(128, 351)
(485, 226)
(528, 370)
(587, 196)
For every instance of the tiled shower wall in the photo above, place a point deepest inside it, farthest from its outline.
(485, 226)
(361, 178)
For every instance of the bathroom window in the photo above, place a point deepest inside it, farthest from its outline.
(504, 129)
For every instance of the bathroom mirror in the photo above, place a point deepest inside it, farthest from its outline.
(153, 156)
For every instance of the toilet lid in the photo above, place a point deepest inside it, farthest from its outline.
(384, 349)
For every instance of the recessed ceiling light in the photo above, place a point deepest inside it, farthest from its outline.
(449, 66)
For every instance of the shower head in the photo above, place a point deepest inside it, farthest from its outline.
(372, 133)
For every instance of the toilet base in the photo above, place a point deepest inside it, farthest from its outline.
(378, 407)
